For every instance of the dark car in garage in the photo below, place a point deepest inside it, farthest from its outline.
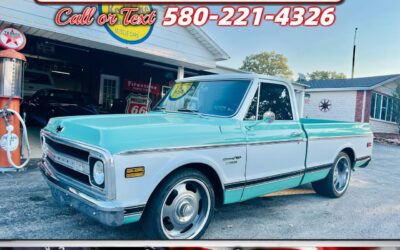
(49, 103)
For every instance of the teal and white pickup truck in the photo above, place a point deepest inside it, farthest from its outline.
(212, 140)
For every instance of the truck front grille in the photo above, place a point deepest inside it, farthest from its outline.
(74, 152)
(68, 161)
(69, 172)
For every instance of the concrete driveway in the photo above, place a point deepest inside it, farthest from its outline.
(369, 210)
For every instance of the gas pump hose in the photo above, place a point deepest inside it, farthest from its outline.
(10, 129)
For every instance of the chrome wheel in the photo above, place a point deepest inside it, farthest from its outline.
(185, 210)
(341, 175)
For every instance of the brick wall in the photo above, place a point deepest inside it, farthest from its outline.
(367, 107)
(359, 105)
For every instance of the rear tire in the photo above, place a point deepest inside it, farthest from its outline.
(338, 179)
(181, 207)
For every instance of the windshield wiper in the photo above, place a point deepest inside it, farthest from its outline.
(159, 108)
(188, 110)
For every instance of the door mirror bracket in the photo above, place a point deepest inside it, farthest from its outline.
(268, 117)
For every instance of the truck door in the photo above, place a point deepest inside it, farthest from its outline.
(276, 148)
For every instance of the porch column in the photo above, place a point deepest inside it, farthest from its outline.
(181, 72)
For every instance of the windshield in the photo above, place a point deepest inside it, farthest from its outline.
(220, 98)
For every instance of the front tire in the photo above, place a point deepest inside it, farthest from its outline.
(338, 179)
(181, 207)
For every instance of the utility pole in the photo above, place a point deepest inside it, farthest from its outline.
(354, 53)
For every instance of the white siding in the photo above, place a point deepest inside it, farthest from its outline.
(343, 105)
(388, 88)
(175, 45)
(378, 126)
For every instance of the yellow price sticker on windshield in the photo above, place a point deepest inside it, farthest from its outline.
(180, 89)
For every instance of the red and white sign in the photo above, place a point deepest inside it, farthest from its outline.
(11, 38)
(137, 104)
(141, 87)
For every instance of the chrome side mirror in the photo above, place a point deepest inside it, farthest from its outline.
(269, 117)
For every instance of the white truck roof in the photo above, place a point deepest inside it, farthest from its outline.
(249, 76)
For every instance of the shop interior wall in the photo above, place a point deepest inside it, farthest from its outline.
(82, 67)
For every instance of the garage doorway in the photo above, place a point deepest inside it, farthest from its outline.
(109, 90)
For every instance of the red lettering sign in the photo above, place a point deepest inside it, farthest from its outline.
(141, 87)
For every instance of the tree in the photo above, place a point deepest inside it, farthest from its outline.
(269, 63)
(325, 75)
(396, 105)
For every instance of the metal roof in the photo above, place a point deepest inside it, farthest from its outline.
(364, 83)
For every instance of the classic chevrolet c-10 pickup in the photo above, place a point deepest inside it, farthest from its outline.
(212, 140)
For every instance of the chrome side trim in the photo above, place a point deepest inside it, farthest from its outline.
(184, 148)
(109, 191)
(275, 178)
(336, 137)
(276, 142)
(274, 181)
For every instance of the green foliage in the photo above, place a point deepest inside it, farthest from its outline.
(269, 63)
(325, 75)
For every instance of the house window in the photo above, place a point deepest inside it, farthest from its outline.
(384, 107)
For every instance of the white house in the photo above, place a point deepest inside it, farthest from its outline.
(367, 99)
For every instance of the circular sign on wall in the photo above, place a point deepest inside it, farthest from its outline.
(131, 34)
(11, 38)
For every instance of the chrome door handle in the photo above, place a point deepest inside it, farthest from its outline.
(296, 134)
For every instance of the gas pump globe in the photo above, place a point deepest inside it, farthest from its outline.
(12, 65)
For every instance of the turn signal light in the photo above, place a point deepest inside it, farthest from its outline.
(369, 144)
(134, 172)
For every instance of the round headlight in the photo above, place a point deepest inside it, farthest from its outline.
(98, 173)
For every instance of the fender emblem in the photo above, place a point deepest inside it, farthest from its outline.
(232, 160)
(59, 129)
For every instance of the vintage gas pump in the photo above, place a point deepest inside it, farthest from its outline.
(12, 65)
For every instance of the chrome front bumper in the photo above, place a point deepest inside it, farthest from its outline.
(69, 196)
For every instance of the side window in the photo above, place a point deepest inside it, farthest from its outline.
(275, 98)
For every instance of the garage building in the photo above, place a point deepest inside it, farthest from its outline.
(88, 59)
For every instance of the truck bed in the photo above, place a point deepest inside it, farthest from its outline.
(318, 128)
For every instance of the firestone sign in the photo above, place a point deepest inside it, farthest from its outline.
(11, 38)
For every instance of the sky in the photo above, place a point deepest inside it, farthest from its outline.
(323, 48)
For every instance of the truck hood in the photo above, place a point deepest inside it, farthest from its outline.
(128, 132)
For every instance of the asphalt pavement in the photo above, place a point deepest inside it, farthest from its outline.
(369, 210)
